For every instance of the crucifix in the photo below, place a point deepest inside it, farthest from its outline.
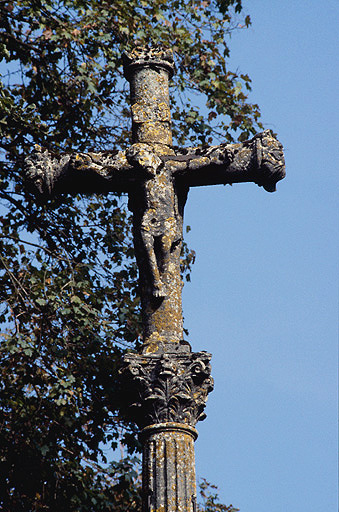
(166, 384)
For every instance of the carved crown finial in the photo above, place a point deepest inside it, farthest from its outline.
(153, 57)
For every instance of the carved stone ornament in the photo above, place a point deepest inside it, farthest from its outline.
(168, 387)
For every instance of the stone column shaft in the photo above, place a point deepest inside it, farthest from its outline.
(169, 483)
(148, 73)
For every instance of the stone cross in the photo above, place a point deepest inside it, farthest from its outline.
(166, 385)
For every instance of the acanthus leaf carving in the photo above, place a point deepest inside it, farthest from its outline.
(167, 387)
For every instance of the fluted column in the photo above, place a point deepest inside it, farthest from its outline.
(169, 483)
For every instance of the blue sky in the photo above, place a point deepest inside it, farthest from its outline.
(263, 297)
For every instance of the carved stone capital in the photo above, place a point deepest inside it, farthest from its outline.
(167, 387)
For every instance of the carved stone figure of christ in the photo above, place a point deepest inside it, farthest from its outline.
(157, 178)
(157, 217)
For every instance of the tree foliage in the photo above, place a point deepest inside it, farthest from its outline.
(68, 280)
(209, 499)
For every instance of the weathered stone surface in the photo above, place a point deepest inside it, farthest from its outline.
(148, 72)
(158, 182)
(79, 172)
(168, 386)
(169, 483)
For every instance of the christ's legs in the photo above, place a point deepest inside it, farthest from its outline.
(151, 245)
(165, 245)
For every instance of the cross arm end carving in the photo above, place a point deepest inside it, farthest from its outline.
(259, 160)
(81, 172)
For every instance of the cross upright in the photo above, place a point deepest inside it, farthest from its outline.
(166, 384)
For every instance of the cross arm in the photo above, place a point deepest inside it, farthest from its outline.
(259, 160)
(81, 172)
